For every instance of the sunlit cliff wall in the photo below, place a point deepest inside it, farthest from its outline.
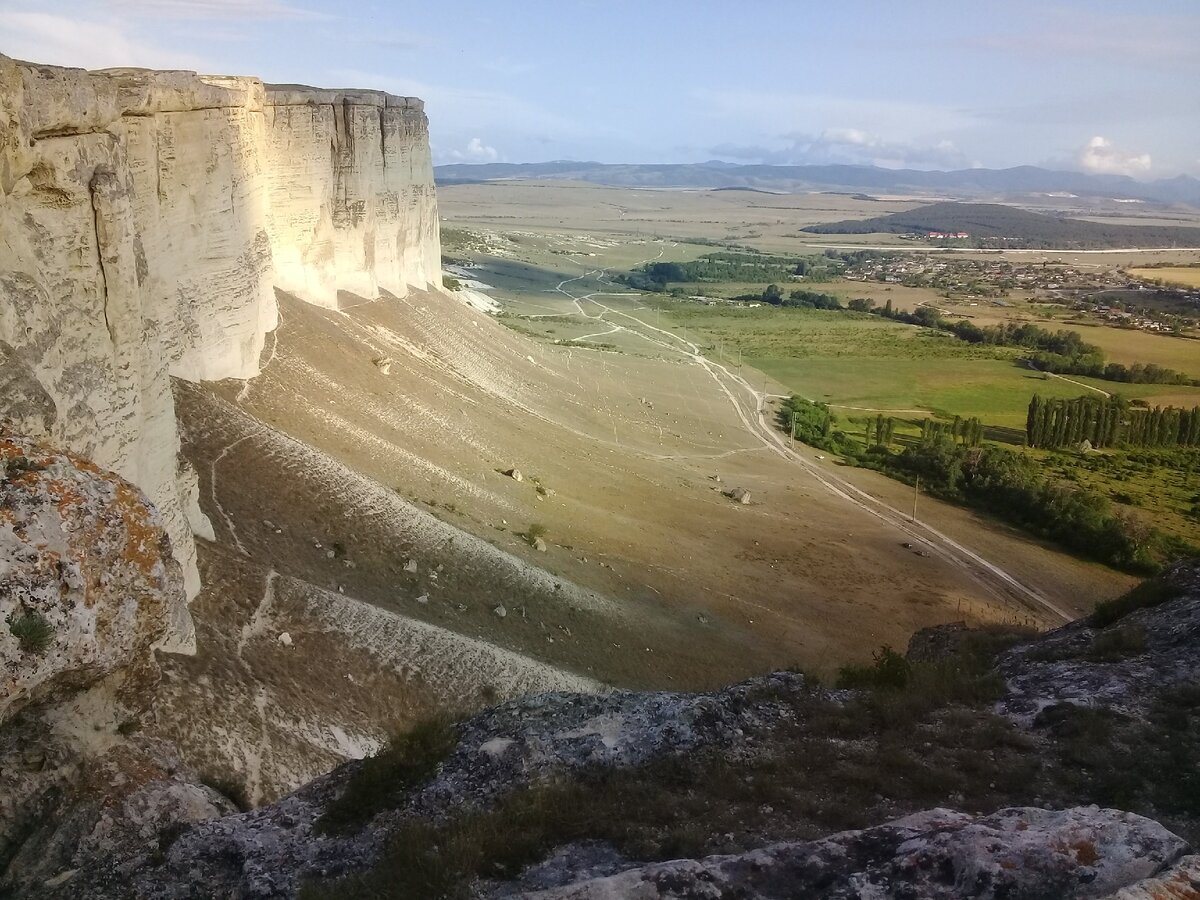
(145, 220)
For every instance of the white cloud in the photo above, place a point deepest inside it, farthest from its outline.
(213, 9)
(764, 112)
(851, 146)
(1101, 157)
(476, 151)
(79, 42)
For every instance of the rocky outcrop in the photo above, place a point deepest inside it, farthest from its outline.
(1014, 854)
(91, 808)
(146, 219)
(87, 580)
(350, 193)
(88, 587)
(1121, 665)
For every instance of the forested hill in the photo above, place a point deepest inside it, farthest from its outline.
(993, 225)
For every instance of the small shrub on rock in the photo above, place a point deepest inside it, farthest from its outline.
(407, 761)
(32, 630)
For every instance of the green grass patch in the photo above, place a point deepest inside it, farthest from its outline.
(381, 780)
(1151, 767)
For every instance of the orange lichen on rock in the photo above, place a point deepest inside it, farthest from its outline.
(145, 542)
(84, 552)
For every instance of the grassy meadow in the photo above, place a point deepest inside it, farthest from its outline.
(857, 363)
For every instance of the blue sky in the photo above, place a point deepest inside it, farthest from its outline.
(1098, 86)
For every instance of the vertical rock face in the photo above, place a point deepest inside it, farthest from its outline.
(145, 219)
(351, 193)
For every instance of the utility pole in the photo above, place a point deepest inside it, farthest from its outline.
(916, 491)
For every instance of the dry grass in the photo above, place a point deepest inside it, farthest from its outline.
(909, 743)
(1187, 276)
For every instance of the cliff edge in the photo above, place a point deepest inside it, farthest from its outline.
(146, 220)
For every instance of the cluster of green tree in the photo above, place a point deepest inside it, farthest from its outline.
(991, 224)
(967, 432)
(1107, 422)
(1010, 486)
(773, 294)
(735, 267)
(813, 424)
(1062, 352)
(883, 430)
(712, 267)
(951, 464)
(1094, 366)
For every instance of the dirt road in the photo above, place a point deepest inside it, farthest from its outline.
(750, 406)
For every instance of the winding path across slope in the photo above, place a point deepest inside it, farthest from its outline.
(749, 405)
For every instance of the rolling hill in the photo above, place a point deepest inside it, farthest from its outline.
(994, 225)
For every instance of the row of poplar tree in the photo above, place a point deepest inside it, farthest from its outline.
(1107, 422)
(968, 432)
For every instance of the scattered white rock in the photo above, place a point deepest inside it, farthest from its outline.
(496, 746)
(410, 565)
(285, 639)
(500, 611)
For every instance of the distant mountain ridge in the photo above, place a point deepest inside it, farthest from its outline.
(715, 174)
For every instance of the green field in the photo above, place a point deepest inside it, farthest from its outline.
(858, 364)
(1165, 482)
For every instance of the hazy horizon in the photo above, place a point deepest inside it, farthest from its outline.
(1092, 87)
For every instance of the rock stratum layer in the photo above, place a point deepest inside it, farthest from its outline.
(146, 219)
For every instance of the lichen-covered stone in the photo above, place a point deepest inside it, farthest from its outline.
(1159, 654)
(83, 554)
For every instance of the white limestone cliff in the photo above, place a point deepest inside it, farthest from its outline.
(350, 189)
(145, 220)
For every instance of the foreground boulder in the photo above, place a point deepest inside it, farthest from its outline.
(87, 587)
(1014, 854)
(1120, 658)
(89, 582)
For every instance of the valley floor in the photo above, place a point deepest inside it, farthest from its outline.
(360, 506)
